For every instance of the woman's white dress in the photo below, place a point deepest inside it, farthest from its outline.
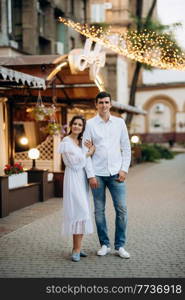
(76, 200)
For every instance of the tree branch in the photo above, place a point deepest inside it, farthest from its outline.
(150, 12)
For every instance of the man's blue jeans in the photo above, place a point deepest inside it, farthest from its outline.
(118, 191)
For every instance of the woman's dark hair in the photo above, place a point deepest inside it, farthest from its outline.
(102, 95)
(78, 117)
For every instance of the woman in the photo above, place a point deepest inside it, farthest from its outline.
(77, 219)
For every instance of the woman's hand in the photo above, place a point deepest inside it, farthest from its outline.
(91, 150)
(88, 144)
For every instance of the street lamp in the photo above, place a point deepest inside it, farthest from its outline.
(135, 139)
(136, 150)
(33, 154)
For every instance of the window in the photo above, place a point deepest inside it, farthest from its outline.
(72, 8)
(41, 19)
(159, 108)
(72, 43)
(97, 13)
(155, 123)
(17, 20)
(59, 48)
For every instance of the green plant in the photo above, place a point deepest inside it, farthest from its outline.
(149, 153)
(52, 128)
(50, 111)
(164, 152)
(155, 152)
(39, 112)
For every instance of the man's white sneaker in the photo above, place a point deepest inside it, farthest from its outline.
(104, 250)
(123, 253)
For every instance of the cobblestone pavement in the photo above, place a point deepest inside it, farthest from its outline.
(31, 244)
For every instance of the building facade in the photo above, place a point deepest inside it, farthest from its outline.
(165, 119)
(31, 26)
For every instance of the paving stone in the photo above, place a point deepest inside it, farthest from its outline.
(31, 244)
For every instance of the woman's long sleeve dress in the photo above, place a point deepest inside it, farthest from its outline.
(76, 200)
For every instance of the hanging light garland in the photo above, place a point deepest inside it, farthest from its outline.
(146, 47)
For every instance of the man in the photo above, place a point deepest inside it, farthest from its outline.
(108, 168)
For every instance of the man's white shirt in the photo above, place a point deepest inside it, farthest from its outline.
(111, 140)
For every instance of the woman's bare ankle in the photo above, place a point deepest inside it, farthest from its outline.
(76, 250)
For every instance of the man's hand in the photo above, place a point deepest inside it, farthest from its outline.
(93, 183)
(122, 176)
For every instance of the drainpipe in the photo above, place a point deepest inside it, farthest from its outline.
(85, 10)
(9, 17)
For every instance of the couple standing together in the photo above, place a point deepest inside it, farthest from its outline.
(100, 152)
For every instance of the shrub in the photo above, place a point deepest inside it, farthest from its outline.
(165, 152)
(149, 153)
(155, 152)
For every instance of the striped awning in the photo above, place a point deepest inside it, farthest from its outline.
(19, 78)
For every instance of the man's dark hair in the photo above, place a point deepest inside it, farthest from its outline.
(102, 95)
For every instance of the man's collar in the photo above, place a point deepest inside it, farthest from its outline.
(99, 119)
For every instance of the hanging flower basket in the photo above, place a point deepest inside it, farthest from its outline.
(39, 112)
(50, 111)
(52, 128)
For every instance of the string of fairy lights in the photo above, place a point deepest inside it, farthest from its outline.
(156, 50)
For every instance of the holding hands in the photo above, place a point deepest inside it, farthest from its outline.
(90, 146)
(92, 181)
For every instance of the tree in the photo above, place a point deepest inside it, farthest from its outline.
(145, 25)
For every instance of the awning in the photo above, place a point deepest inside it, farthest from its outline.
(8, 77)
(127, 108)
(74, 89)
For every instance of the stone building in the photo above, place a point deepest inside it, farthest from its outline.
(32, 27)
(165, 119)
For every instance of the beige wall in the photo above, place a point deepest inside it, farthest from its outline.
(173, 101)
(117, 16)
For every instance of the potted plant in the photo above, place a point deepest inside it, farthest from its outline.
(16, 175)
(52, 128)
(50, 111)
(39, 112)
